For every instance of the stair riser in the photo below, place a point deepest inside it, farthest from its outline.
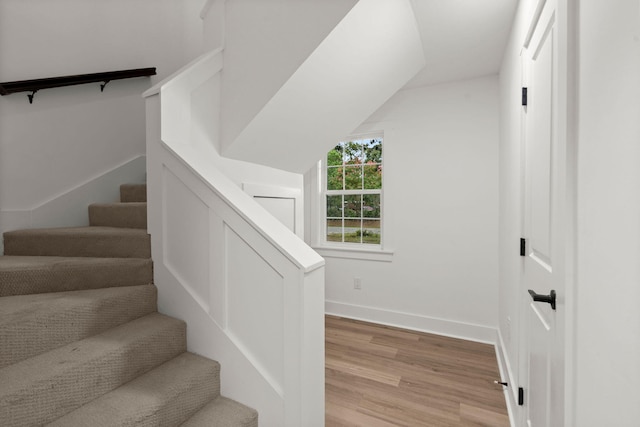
(133, 193)
(223, 412)
(124, 215)
(168, 395)
(50, 321)
(42, 389)
(106, 246)
(75, 274)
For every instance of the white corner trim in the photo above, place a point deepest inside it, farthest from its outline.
(271, 190)
(133, 170)
(385, 255)
(258, 191)
(415, 322)
(534, 21)
(206, 7)
(506, 375)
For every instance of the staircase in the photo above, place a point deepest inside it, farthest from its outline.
(81, 341)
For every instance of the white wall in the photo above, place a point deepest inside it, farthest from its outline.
(607, 320)
(440, 212)
(69, 136)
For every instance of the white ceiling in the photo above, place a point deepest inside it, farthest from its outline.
(461, 38)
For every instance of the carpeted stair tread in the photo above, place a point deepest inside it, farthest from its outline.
(109, 242)
(224, 412)
(22, 275)
(133, 193)
(165, 396)
(81, 342)
(125, 215)
(45, 387)
(33, 324)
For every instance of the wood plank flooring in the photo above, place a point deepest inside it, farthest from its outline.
(383, 376)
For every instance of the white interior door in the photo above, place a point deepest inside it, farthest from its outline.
(543, 269)
(284, 203)
(282, 208)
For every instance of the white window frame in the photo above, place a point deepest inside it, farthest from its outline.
(364, 251)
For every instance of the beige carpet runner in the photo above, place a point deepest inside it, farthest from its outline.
(81, 341)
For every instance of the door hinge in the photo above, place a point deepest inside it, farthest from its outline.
(520, 396)
(524, 96)
(523, 247)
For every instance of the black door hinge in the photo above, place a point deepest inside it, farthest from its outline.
(524, 96)
(520, 396)
(523, 247)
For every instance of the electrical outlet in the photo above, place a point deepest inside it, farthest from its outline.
(357, 283)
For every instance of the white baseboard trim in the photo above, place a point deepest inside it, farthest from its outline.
(449, 328)
(69, 208)
(506, 375)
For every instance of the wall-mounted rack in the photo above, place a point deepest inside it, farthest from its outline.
(35, 85)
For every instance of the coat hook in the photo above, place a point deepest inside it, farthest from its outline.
(31, 95)
(103, 85)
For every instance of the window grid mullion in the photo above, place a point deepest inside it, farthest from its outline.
(351, 192)
(361, 215)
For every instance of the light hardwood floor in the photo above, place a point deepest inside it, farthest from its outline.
(383, 376)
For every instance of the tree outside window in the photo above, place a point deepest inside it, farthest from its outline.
(353, 192)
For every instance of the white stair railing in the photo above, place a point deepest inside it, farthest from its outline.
(251, 292)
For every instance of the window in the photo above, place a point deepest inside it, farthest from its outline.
(353, 192)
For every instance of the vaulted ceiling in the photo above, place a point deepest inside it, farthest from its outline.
(462, 38)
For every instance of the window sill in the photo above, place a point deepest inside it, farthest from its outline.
(355, 253)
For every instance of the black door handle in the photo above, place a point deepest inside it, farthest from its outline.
(551, 298)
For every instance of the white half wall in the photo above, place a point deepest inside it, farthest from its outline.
(440, 216)
(222, 260)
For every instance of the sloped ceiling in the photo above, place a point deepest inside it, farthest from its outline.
(461, 38)
(367, 57)
(266, 41)
(378, 48)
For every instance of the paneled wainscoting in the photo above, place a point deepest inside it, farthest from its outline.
(384, 376)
